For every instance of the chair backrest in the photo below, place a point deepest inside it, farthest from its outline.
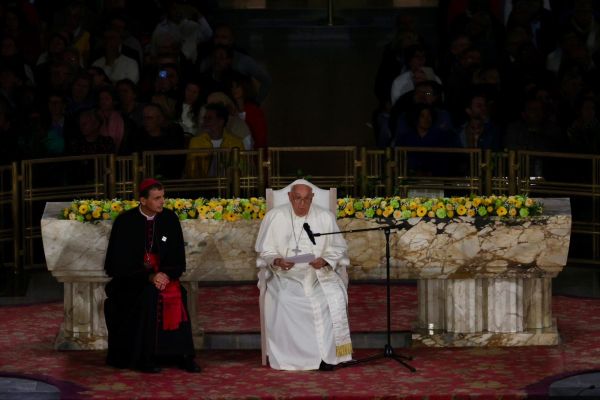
(324, 198)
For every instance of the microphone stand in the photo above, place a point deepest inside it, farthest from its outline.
(388, 350)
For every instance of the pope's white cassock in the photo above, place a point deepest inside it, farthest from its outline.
(305, 309)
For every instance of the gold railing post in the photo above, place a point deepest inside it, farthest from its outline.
(487, 172)
(363, 171)
(111, 188)
(235, 171)
(512, 172)
(261, 172)
(389, 171)
(136, 175)
(17, 221)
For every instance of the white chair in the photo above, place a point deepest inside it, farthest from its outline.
(326, 199)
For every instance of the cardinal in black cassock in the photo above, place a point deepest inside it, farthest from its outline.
(145, 310)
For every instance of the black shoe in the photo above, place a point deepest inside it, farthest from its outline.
(326, 367)
(149, 368)
(188, 364)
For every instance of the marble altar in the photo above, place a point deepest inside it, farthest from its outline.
(480, 281)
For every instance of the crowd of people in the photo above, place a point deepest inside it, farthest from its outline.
(79, 78)
(527, 83)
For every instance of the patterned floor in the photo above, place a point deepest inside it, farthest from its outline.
(28, 334)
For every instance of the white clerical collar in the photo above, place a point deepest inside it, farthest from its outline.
(150, 218)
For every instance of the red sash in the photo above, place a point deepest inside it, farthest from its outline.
(173, 312)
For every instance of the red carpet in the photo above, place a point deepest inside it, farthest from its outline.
(28, 332)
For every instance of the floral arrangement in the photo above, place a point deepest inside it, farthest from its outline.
(201, 208)
(348, 207)
(447, 207)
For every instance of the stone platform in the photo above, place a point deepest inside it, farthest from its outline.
(483, 278)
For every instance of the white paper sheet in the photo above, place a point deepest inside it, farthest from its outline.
(301, 258)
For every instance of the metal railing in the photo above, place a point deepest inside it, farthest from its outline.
(26, 187)
(334, 166)
(9, 218)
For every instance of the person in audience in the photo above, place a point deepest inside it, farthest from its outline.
(146, 306)
(584, 132)
(191, 33)
(116, 65)
(75, 14)
(54, 142)
(113, 124)
(419, 128)
(240, 62)
(532, 131)
(89, 140)
(214, 135)
(306, 302)
(243, 93)
(479, 131)
(188, 108)
(80, 97)
(158, 133)
(416, 71)
(131, 110)
(130, 45)
(235, 124)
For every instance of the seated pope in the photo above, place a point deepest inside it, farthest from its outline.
(306, 299)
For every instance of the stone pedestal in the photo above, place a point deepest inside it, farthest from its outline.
(485, 312)
(482, 282)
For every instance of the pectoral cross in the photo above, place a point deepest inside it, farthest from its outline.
(296, 251)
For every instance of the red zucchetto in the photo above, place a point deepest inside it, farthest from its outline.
(146, 183)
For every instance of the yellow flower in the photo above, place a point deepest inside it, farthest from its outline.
(379, 211)
(471, 212)
(512, 212)
(105, 215)
(501, 211)
(219, 208)
(431, 214)
(528, 202)
(412, 205)
(96, 213)
(461, 210)
(83, 209)
(178, 204)
(192, 213)
(397, 214)
(261, 214)
(519, 204)
(449, 207)
(359, 215)
(490, 209)
(421, 211)
(476, 202)
(341, 202)
(468, 204)
(450, 213)
(349, 209)
(66, 212)
(413, 214)
(88, 217)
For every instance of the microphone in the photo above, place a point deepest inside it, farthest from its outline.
(310, 234)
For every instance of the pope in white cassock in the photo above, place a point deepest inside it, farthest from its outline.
(305, 307)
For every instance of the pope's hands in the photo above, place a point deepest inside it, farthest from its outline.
(281, 263)
(318, 263)
(160, 280)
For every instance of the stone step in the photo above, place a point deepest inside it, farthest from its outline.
(251, 341)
